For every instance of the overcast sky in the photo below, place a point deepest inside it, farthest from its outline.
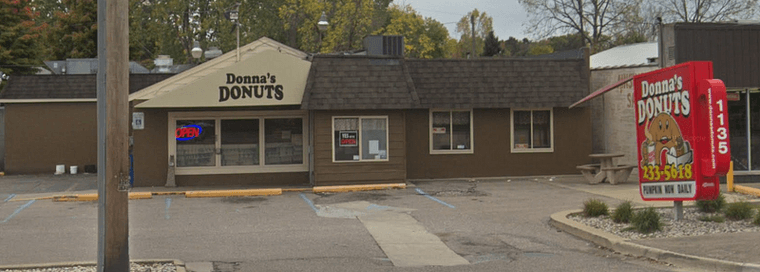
(508, 15)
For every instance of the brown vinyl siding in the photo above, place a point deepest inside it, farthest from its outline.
(492, 156)
(327, 172)
(151, 149)
(40, 136)
(258, 180)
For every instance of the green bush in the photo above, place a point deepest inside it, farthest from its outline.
(594, 208)
(739, 210)
(646, 221)
(711, 206)
(623, 213)
(712, 218)
(757, 219)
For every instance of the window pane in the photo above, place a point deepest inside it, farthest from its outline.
(284, 141)
(195, 142)
(541, 129)
(441, 131)
(373, 139)
(737, 126)
(346, 135)
(240, 142)
(521, 129)
(461, 129)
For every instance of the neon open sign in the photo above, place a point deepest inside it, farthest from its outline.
(187, 132)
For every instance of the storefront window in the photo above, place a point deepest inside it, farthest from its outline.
(360, 138)
(195, 142)
(532, 131)
(240, 142)
(284, 141)
(737, 126)
(374, 141)
(451, 131)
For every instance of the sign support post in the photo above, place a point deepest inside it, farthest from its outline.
(678, 210)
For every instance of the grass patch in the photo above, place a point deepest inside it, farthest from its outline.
(623, 213)
(711, 206)
(595, 208)
(646, 221)
(739, 210)
(712, 218)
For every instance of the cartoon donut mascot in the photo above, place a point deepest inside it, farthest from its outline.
(663, 134)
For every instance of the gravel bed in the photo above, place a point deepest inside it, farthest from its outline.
(135, 267)
(689, 226)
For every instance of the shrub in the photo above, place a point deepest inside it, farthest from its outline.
(646, 220)
(711, 206)
(594, 208)
(739, 210)
(712, 218)
(623, 213)
(757, 219)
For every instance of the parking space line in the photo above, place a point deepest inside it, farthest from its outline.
(19, 210)
(434, 199)
(166, 210)
(308, 201)
(10, 197)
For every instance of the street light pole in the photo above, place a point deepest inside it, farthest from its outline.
(321, 28)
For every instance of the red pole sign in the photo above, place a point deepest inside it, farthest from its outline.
(682, 132)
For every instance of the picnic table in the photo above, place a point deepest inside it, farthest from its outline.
(606, 170)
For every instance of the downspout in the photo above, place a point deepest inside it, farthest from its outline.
(312, 181)
(661, 43)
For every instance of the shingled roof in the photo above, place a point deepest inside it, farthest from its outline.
(47, 87)
(499, 83)
(355, 82)
(372, 82)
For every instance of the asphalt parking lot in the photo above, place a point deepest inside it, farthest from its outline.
(490, 225)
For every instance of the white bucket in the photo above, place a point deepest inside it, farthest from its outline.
(73, 169)
(60, 169)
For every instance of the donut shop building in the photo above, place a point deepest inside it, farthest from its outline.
(280, 117)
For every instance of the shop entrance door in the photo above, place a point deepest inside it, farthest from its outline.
(744, 125)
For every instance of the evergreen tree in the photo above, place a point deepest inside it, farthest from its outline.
(492, 46)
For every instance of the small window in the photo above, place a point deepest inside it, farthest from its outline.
(532, 131)
(360, 139)
(283, 138)
(240, 142)
(450, 132)
(195, 142)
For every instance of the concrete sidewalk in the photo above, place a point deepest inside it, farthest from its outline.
(739, 251)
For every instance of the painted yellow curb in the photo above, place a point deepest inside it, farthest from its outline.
(230, 193)
(746, 190)
(82, 197)
(297, 190)
(140, 195)
(94, 197)
(351, 188)
(31, 198)
(169, 193)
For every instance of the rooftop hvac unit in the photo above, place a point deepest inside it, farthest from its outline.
(385, 45)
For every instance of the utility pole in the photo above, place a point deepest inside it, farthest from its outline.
(113, 138)
(472, 21)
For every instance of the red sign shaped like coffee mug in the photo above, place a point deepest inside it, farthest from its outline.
(682, 132)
